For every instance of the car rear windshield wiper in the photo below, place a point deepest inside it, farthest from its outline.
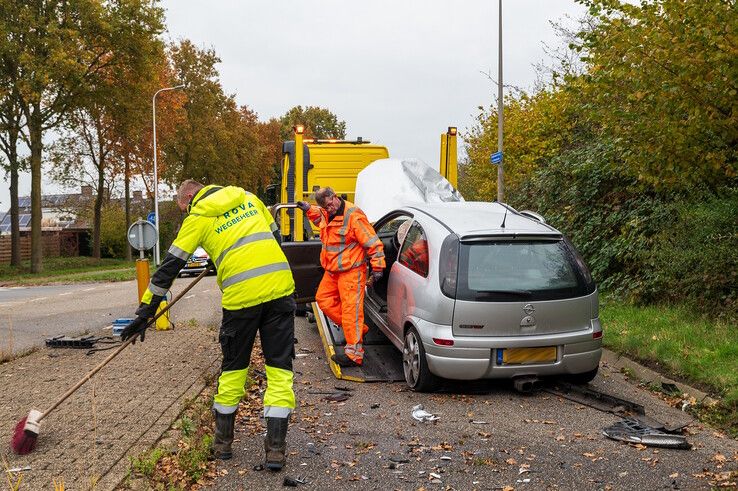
(516, 293)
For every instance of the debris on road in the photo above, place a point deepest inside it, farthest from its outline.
(337, 397)
(293, 481)
(420, 414)
(633, 431)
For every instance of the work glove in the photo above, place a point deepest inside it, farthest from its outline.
(135, 328)
(303, 205)
(376, 275)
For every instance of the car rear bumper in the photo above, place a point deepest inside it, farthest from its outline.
(474, 358)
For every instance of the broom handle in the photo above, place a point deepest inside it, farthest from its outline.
(122, 347)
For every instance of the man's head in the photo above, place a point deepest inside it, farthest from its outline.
(327, 199)
(187, 190)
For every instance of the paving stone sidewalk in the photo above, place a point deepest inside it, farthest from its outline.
(89, 440)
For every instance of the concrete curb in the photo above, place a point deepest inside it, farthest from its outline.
(647, 375)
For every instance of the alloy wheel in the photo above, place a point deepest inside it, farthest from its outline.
(411, 359)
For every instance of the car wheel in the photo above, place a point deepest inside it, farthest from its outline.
(582, 378)
(415, 364)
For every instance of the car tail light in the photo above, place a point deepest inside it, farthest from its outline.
(597, 335)
(443, 342)
(449, 265)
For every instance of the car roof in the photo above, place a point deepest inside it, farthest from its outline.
(468, 218)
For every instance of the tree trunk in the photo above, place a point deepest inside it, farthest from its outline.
(36, 143)
(127, 178)
(15, 252)
(97, 220)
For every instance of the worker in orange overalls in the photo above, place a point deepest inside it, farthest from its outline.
(348, 238)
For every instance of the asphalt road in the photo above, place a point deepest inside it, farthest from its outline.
(29, 315)
(487, 437)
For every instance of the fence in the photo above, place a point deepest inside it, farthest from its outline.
(56, 243)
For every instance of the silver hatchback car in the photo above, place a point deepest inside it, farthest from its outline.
(479, 290)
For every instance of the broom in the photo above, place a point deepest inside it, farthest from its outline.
(27, 430)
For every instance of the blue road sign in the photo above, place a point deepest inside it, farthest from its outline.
(496, 158)
(151, 217)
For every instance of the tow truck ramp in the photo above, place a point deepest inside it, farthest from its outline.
(382, 361)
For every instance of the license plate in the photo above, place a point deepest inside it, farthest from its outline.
(196, 264)
(517, 356)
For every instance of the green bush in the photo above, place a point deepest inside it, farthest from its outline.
(695, 255)
(113, 240)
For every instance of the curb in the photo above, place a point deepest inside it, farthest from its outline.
(647, 375)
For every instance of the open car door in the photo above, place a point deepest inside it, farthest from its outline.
(304, 259)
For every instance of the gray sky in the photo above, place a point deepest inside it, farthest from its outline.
(398, 72)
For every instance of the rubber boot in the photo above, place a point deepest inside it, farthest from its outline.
(275, 443)
(223, 435)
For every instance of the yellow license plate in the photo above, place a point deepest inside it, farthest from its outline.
(529, 355)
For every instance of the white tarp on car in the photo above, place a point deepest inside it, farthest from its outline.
(387, 184)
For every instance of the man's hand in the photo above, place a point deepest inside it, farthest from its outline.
(135, 328)
(376, 276)
(303, 205)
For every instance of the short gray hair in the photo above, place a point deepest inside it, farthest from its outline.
(187, 187)
(322, 195)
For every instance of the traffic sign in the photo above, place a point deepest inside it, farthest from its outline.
(142, 235)
(496, 158)
(151, 218)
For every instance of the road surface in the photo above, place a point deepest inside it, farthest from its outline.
(29, 315)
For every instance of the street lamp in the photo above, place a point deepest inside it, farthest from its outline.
(157, 254)
(500, 108)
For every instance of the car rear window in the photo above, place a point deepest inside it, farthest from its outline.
(520, 270)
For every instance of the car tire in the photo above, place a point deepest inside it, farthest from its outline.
(582, 378)
(415, 364)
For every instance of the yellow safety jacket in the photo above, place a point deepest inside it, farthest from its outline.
(236, 230)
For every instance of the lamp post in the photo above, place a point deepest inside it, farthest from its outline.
(157, 254)
(500, 108)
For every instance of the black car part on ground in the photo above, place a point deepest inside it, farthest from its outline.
(611, 404)
(79, 342)
(633, 431)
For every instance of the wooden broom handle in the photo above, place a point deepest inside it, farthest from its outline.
(115, 353)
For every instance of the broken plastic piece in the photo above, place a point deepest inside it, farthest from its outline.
(633, 431)
(337, 397)
(420, 414)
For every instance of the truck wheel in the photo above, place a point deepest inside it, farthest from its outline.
(415, 365)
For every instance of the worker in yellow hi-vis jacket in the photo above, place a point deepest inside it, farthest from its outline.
(237, 231)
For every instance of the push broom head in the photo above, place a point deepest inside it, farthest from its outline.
(26, 433)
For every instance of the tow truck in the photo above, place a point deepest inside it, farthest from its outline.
(307, 166)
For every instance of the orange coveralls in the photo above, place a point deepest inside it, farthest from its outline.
(347, 240)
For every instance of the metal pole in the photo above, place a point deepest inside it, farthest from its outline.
(500, 118)
(157, 254)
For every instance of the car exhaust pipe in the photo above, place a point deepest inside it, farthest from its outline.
(526, 385)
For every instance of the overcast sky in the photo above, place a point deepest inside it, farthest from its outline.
(398, 72)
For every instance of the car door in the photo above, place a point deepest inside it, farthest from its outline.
(408, 282)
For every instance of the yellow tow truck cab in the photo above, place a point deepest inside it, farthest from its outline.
(334, 163)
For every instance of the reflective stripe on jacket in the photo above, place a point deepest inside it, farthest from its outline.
(347, 239)
(236, 230)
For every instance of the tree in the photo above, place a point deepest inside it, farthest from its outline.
(662, 79)
(55, 52)
(216, 141)
(320, 123)
(11, 126)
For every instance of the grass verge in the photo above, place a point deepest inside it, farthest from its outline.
(180, 459)
(677, 341)
(68, 270)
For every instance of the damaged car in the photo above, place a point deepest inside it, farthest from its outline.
(472, 290)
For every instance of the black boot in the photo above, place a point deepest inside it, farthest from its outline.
(223, 435)
(275, 443)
